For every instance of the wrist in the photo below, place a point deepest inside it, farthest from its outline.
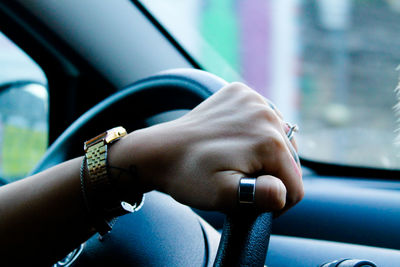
(101, 190)
(151, 154)
(123, 161)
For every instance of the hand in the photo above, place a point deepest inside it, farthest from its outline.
(198, 159)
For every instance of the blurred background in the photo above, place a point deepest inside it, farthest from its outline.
(329, 65)
(23, 112)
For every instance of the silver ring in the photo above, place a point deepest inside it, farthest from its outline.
(292, 129)
(246, 191)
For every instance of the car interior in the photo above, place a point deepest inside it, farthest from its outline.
(106, 58)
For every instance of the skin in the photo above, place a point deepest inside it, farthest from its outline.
(197, 159)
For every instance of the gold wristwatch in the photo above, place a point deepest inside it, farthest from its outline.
(96, 154)
(100, 195)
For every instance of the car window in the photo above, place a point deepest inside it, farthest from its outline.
(23, 112)
(329, 65)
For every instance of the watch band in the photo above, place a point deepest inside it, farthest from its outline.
(101, 199)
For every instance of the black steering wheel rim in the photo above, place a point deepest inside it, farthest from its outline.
(192, 86)
(171, 90)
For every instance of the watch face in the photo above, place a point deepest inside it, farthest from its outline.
(109, 137)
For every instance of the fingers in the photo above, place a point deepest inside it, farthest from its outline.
(287, 128)
(285, 163)
(270, 192)
(292, 146)
(238, 133)
(278, 160)
(279, 157)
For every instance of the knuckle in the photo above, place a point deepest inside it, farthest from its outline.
(246, 93)
(258, 113)
(271, 116)
(274, 140)
(271, 143)
(249, 97)
(264, 115)
(236, 87)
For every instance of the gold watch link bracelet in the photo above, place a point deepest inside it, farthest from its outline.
(101, 199)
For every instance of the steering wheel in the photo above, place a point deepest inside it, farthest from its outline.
(163, 232)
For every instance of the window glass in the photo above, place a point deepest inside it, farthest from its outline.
(23, 112)
(329, 65)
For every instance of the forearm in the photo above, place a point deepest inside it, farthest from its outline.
(44, 215)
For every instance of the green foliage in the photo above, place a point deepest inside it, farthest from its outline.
(21, 149)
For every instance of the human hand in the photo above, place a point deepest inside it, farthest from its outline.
(199, 159)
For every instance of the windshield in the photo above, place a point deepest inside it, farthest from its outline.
(329, 65)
